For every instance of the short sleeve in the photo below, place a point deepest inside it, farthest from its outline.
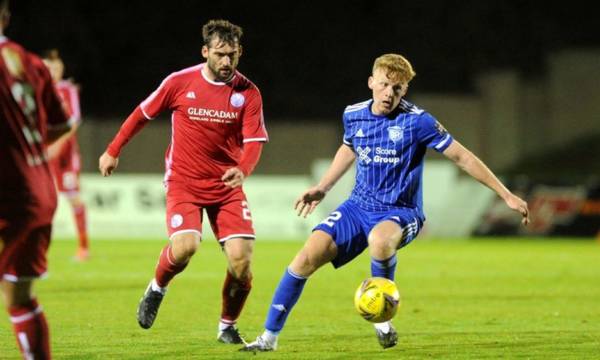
(432, 134)
(348, 135)
(57, 117)
(160, 100)
(253, 122)
(73, 103)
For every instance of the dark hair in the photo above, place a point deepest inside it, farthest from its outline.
(51, 54)
(223, 30)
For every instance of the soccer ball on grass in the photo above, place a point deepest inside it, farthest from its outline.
(377, 299)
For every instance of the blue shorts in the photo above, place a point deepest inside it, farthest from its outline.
(349, 226)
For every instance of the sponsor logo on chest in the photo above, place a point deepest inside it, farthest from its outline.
(209, 114)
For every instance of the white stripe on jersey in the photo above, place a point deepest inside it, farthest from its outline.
(443, 142)
(169, 159)
(356, 107)
(254, 139)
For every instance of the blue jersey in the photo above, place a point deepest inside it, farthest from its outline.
(389, 151)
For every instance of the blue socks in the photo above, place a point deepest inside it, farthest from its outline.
(384, 268)
(287, 294)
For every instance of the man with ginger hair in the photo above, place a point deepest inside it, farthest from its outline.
(387, 137)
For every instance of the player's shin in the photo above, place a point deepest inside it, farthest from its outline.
(286, 295)
(384, 268)
(166, 269)
(31, 330)
(234, 294)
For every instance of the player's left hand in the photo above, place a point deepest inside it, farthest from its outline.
(233, 177)
(516, 203)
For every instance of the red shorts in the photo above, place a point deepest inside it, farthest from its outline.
(66, 169)
(230, 217)
(23, 247)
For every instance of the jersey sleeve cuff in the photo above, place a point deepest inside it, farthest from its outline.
(443, 145)
(261, 139)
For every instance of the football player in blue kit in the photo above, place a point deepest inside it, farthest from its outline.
(387, 138)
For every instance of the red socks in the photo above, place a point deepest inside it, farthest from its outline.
(234, 296)
(79, 213)
(31, 330)
(166, 268)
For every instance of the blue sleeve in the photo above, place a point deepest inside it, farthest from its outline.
(432, 134)
(348, 135)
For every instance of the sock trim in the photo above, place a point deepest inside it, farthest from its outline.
(385, 263)
(294, 275)
(25, 317)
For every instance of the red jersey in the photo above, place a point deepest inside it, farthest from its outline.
(28, 107)
(210, 122)
(69, 151)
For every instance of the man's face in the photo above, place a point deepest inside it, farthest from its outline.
(56, 68)
(387, 93)
(222, 58)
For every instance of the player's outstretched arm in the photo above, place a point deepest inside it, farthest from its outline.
(308, 201)
(473, 166)
(107, 164)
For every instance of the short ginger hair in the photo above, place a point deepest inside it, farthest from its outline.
(395, 66)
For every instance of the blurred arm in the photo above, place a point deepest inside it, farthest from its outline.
(308, 201)
(54, 147)
(473, 166)
(344, 158)
(134, 123)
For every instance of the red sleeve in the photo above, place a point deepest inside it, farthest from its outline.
(253, 125)
(134, 123)
(250, 157)
(160, 100)
(73, 103)
(57, 118)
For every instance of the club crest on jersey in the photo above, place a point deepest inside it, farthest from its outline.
(237, 100)
(395, 133)
(176, 221)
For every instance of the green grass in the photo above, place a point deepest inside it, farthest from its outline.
(461, 300)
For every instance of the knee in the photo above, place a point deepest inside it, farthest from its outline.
(239, 266)
(16, 294)
(185, 246)
(303, 264)
(383, 244)
(75, 201)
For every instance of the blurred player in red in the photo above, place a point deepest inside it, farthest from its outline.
(64, 156)
(31, 115)
(216, 141)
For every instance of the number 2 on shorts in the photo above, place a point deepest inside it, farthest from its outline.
(335, 216)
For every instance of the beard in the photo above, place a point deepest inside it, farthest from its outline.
(223, 74)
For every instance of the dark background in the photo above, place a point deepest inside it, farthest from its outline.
(309, 59)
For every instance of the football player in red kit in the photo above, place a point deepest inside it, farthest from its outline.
(217, 136)
(31, 115)
(64, 156)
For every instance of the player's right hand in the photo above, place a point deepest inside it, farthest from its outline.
(107, 164)
(308, 201)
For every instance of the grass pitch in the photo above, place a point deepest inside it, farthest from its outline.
(461, 299)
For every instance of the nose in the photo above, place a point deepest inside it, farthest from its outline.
(226, 60)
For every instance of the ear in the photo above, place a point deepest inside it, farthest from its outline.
(205, 51)
(370, 82)
(241, 51)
